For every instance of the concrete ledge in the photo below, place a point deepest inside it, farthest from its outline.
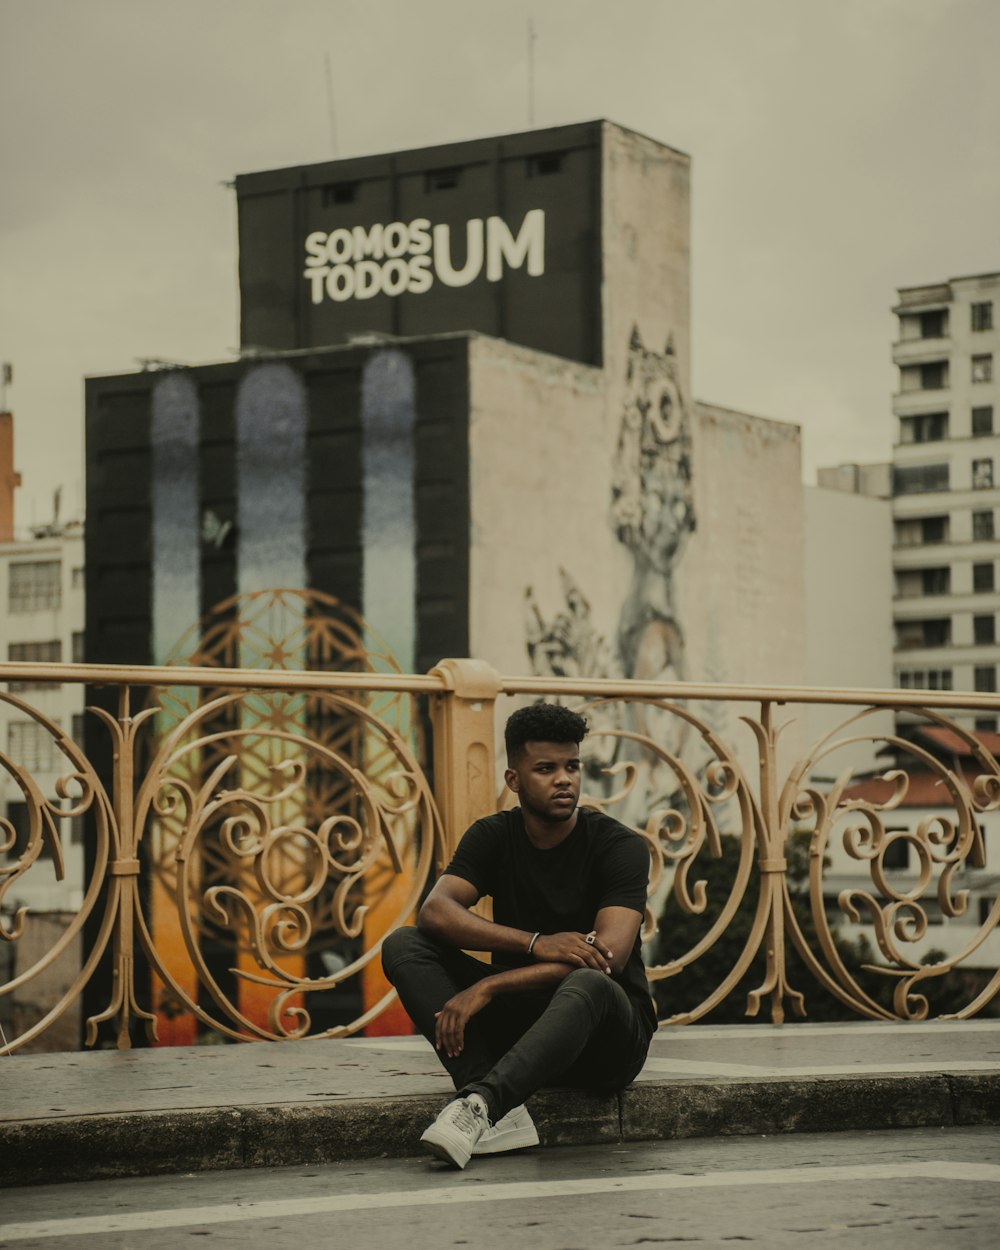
(976, 1098)
(727, 1108)
(75, 1148)
(81, 1115)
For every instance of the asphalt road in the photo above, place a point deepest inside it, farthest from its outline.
(907, 1188)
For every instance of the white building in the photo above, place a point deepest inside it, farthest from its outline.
(945, 488)
(41, 620)
(945, 597)
(848, 569)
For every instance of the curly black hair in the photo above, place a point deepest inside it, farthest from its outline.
(542, 722)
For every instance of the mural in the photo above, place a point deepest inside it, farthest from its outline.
(174, 490)
(652, 511)
(273, 622)
(652, 516)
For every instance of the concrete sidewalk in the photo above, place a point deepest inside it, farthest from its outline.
(126, 1113)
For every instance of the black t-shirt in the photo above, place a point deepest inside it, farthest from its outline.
(600, 864)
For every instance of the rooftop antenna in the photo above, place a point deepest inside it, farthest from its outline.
(531, 72)
(329, 104)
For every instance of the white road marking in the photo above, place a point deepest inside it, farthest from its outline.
(694, 1068)
(872, 1028)
(470, 1194)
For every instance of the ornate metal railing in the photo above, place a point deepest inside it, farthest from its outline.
(250, 837)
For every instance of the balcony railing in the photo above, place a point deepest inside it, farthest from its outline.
(251, 837)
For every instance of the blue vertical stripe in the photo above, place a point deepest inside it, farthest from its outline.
(271, 421)
(388, 518)
(175, 525)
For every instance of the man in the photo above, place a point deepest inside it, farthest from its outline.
(565, 999)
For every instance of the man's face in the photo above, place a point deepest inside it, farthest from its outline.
(546, 779)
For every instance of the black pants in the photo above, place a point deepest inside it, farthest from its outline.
(586, 1033)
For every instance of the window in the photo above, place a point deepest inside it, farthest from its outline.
(340, 193)
(76, 579)
(32, 747)
(544, 163)
(897, 853)
(986, 724)
(34, 585)
(982, 368)
(982, 828)
(78, 646)
(17, 815)
(917, 479)
(984, 629)
(921, 531)
(912, 583)
(985, 910)
(925, 679)
(935, 581)
(985, 678)
(982, 577)
(442, 179)
(932, 324)
(928, 427)
(982, 316)
(34, 653)
(934, 529)
(930, 633)
(982, 525)
(982, 474)
(937, 633)
(934, 377)
(982, 420)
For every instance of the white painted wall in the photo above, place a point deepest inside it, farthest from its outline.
(848, 605)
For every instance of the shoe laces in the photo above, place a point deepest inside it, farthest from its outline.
(465, 1114)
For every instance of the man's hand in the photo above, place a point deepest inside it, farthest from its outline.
(581, 950)
(450, 1021)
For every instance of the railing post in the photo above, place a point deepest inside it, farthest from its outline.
(123, 874)
(773, 865)
(464, 745)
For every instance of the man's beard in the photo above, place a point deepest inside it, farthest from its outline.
(550, 817)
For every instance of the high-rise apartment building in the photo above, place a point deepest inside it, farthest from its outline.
(945, 487)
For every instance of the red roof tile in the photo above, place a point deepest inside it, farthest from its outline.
(925, 790)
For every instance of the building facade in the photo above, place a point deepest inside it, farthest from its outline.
(447, 354)
(945, 488)
(41, 584)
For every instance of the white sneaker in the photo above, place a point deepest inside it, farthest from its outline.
(515, 1131)
(455, 1133)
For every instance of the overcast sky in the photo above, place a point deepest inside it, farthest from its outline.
(840, 148)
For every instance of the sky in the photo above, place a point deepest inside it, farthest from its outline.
(840, 149)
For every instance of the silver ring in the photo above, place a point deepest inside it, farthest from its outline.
(590, 939)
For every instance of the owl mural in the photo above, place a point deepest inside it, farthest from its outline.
(652, 515)
(652, 511)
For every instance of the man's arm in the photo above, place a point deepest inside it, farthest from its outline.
(446, 916)
(616, 929)
(556, 954)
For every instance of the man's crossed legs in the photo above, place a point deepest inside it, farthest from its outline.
(586, 1033)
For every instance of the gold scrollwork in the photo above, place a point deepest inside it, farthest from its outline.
(939, 845)
(78, 792)
(678, 831)
(288, 878)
